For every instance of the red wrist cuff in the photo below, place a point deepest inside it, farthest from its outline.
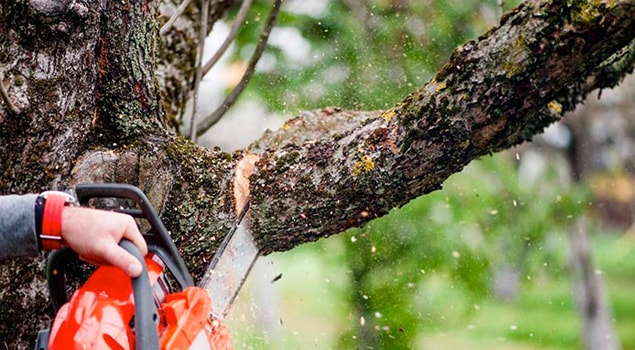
(51, 236)
(51, 232)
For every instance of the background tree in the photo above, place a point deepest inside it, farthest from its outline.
(90, 92)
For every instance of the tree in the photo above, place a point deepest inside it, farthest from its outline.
(90, 94)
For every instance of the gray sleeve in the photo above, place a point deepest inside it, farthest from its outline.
(17, 226)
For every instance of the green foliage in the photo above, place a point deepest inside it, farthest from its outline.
(486, 217)
(316, 309)
(363, 55)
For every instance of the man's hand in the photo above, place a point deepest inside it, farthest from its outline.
(95, 235)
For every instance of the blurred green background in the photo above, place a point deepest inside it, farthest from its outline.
(484, 263)
(421, 278)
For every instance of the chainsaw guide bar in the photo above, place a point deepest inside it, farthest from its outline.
(230, 266)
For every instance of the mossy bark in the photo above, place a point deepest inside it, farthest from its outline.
(494, 93)
(96, 104)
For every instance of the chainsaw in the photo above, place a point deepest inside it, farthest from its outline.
(161, 309)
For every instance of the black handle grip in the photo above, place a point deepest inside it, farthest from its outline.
(146, 316)
(56, 266)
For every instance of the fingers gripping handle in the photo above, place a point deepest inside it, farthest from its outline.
(146, 315)
(159, 240)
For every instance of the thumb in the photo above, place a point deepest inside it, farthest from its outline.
(119, 257)
(134, 268)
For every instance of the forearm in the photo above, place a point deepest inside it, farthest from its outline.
(17, 226)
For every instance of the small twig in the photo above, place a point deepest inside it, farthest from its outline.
(176, 15)
(238, 22)
(5, 97)
(202, 35)
(229, 101)
(499, 5)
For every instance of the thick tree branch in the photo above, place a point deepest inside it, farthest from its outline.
(494, 93)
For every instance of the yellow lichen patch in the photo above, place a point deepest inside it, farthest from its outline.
(365, 164)
(520, 42)
(511, 69)
(586, 11)
(442, 85)
(554, 107)
(388, 115)
(516, 57)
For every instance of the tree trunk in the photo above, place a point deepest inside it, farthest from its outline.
(92, 91)
(598, 332)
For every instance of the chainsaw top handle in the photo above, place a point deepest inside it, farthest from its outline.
(158, 239)
(146, 315)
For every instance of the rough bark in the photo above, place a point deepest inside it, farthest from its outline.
(83, 78)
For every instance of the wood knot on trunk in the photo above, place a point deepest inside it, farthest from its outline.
(48, 10)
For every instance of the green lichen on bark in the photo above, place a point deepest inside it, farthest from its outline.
(200, 210)
(127, 103)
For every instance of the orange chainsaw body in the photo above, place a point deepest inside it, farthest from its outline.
(99, 315)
